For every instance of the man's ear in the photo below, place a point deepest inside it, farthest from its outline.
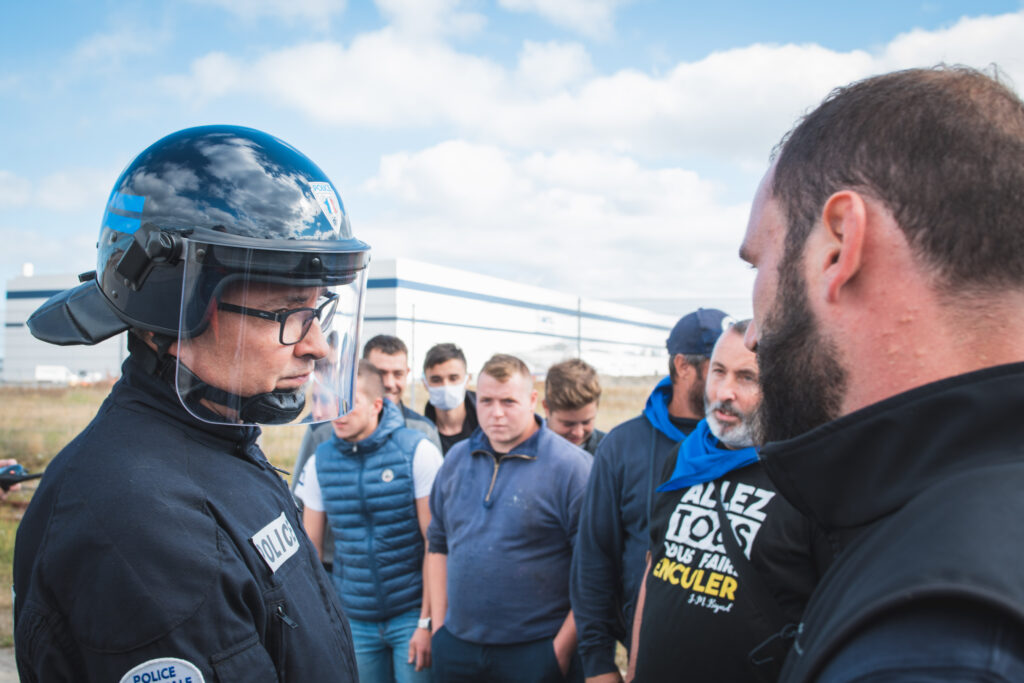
(544, 404)
(682, 367)
(378, 403)
(844, 219)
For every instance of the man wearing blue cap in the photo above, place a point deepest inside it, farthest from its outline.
(611, 546)
(732, 563)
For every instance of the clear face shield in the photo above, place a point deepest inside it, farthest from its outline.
(262, 331)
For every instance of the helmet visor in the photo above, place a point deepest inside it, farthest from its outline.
(261, 332)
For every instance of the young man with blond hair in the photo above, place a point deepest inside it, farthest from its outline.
(369, 484)
(504, 507)
(572, 393)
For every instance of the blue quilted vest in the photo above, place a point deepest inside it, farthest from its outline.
(371, 509)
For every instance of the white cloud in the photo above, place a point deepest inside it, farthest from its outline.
(104, 52)
(79, 189)
(593, 18)
(64, 191)
(430, 18)
(381, 80)
(590, 222)
(551, 67)
(559, 174)
(312, 11)
(48, 249)
(213, 75)
(14, 191)
(731, 105)
(975, 41)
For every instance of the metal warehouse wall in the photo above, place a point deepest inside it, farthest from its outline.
(423, 304)
(23, 352)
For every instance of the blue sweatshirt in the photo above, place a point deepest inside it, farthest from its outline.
(508, 526)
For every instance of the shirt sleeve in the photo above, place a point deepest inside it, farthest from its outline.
(308, 488)
(437, 538)
(426, 461)
(596, 576)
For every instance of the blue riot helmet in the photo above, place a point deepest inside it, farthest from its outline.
(235, 251)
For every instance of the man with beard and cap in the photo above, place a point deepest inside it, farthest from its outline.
(731, 563)
(609, 559)
(889, 249)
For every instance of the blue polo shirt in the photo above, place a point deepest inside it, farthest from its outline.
(508, 525)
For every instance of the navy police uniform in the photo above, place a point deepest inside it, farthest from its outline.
(162, 548)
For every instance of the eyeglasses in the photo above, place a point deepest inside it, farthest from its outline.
(295, 323)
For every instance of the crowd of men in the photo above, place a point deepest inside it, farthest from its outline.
(826, 492)
(515, 492)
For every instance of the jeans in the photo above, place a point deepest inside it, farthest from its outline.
(382, 649)
(455, 660)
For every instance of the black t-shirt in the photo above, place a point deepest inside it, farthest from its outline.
(683, 424)
(468, 427)
(700, 618)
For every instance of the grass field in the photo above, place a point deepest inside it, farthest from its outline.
(36, 423)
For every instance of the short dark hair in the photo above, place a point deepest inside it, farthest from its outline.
(386, 344)
(739, 327)
(941, 148)
(442, 353)
(570, 385)
(369, 380)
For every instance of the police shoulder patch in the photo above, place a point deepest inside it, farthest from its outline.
(164, 670)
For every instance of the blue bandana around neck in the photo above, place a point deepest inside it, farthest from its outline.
(656, 410)
(702, 458)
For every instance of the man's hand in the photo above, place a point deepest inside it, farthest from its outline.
(610, 677)
(13, 487)
(419, 649)
(564, 649)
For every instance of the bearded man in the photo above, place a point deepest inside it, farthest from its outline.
(731, 564)
(889, 252)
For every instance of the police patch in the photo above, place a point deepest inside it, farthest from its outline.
(330, 207)
(164, 670)
(276, 542)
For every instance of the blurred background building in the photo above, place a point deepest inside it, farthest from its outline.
(422, 304)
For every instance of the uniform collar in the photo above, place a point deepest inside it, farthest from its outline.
(865, 465)
(153, 392)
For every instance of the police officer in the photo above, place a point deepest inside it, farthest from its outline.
(162, 545)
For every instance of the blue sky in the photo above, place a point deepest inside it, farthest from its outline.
(603, 147)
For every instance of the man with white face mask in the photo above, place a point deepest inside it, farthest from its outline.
(452, 408)
(731, 564)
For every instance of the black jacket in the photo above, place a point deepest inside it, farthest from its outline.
(611, 545)
(923, 491)
(155, 537)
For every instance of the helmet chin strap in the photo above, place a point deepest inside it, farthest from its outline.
(273, 407)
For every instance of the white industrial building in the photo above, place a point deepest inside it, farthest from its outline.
(420, 303)
(28, 360)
